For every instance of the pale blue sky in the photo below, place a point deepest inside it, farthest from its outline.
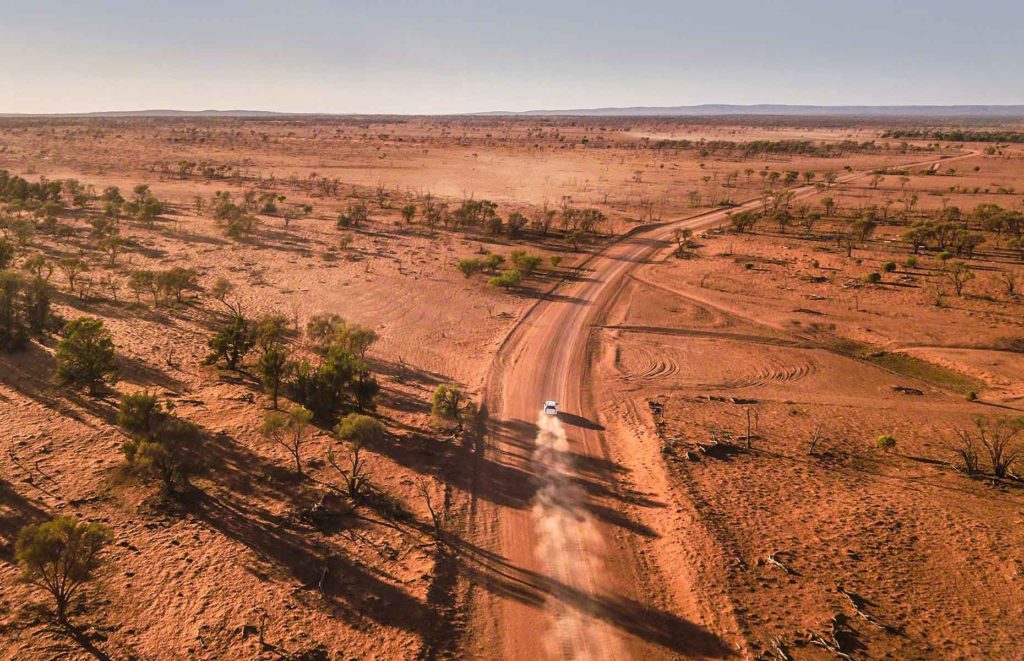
(461, 56)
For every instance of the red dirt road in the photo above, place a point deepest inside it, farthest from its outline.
(561, 561)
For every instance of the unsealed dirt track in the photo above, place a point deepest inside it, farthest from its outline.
(587, 593)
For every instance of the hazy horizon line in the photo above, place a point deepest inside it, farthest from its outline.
(703, 109)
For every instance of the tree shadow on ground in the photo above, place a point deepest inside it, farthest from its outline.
(658, 627)
(30, 373)
(16, 511)
(329, 577)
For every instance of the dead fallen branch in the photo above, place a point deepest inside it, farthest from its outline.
(773, 559)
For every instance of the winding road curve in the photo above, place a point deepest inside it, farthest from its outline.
(557, 584)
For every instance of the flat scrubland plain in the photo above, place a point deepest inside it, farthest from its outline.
(811, 404)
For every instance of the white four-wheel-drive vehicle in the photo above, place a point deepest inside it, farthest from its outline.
(551, 407)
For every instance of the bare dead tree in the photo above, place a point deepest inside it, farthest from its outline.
(814, 438)
(967, 451)
(436, 515)
(354, 476)
(998, 438)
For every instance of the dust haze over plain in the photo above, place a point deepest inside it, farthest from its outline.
(462, 57)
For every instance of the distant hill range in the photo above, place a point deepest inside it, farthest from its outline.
(706, 110)
(157, 113)
(766, 109)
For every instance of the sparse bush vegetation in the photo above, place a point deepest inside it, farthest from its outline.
(288, 430)
(24, 309)
(507, 279)
(85, 356)
(235, 220)
(525, 262)
(160, 444)
(60, 556)
(339, 377)
(232, 342)
(469, 266)
(355, 216)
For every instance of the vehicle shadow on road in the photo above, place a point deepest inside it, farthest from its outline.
(578, 421)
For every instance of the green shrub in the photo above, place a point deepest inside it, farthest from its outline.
(885, 442)
(507, 279)
(447, 402)
(360, 429)
(493, 262)
(138, 412)
(873, 278)
(889, 267)
(469, 266)
(525, 262)
(356, 215)
(85, 356)
(166, 451)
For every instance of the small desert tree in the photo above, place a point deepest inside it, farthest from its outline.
(85, 356)
(13, 329)
(231, 343)
(174, 281)
(138, 412)
(357, 431)
(958, 274)
(163, 448)
(112, 246)
(273, 368)
(72, 268)
(447, 403)
(60, 556)
(492, 262)
(288, 429)
(141, 281)
(36, 306)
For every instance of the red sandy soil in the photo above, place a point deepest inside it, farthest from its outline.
(589, 537)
